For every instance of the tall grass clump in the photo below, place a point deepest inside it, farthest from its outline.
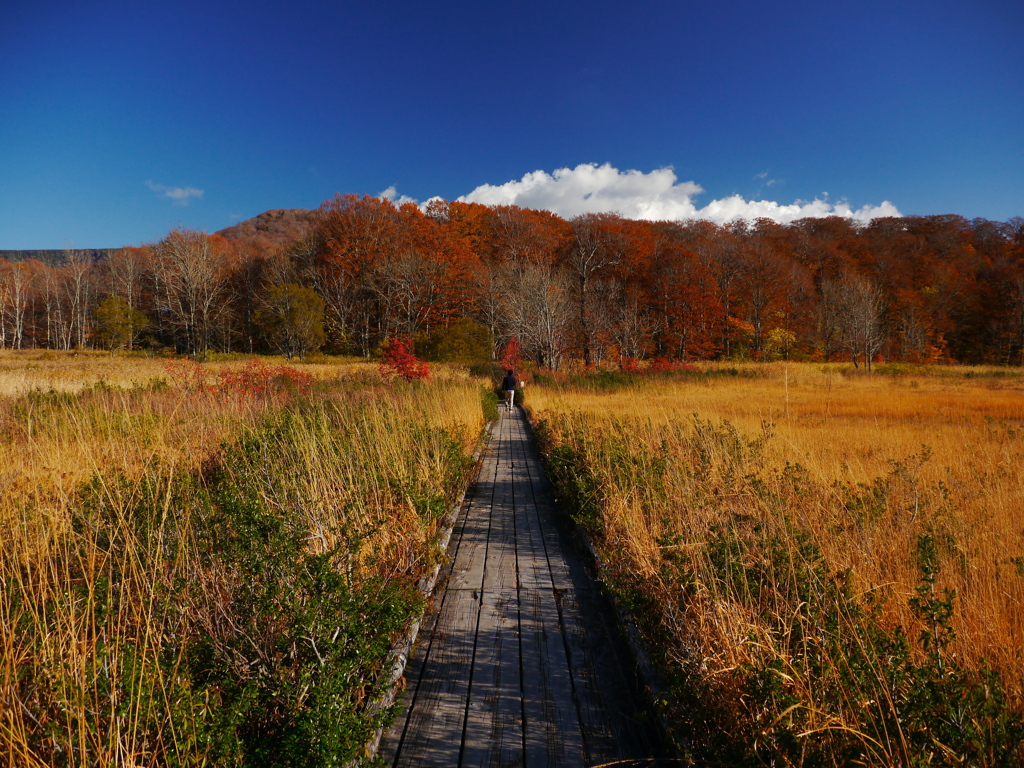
(206, 577)
(802, 610)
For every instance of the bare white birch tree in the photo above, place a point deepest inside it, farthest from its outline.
(539, 310)
(78, 292)
(191, 283)
(860, 310)
(15, 295)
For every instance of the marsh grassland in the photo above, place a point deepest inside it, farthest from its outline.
(207, 564)
(828, 567)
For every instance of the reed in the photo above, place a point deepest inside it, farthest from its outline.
(831, 566)
(196, 573)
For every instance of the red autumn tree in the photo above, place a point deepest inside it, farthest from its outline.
(511, 355)
(398, 360)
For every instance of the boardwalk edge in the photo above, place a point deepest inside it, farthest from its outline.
(648, 677)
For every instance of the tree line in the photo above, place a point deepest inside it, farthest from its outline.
(598, 288)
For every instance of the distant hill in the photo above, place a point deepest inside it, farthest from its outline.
(55, 258)
(272, 229)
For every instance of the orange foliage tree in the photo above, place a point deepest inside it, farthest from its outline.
(586, 289)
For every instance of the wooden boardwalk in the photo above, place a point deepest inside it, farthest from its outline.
(518, 661)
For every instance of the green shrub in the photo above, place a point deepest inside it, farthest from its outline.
(465, 341)
(489, 403)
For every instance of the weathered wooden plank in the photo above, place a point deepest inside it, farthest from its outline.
(532, 560)
(471, 560)
(551, 569)
(614, 717)
(421, 651)
(552, 729)
(593, 711)
(494, 721)
(476, 502)
(435, 719)
(558, 551)
(500, 572)
(559, 568)
(432, 735)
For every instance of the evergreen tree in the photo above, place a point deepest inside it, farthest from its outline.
(117, 325)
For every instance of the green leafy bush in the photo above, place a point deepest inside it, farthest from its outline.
(464, 341)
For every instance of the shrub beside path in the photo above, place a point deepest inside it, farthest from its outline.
(520, 661)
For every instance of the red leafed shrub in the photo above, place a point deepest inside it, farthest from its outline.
(301, 380)
(257, 379)
(664, 365)
(187, 374)
(254, 380)
(399, 361)
(629, 365)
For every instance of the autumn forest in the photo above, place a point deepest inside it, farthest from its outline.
(598, 287)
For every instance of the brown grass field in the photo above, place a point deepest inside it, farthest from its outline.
(861, 466)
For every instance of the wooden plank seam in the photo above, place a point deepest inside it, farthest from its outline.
(398, 656)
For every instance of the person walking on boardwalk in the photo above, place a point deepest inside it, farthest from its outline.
(508, 387)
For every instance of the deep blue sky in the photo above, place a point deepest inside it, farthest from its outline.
(107, 106)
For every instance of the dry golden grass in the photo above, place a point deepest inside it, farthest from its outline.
(355, 464)
(129, 429)
(51, 451)
(838, 425)
(947, 444)
(22, 371)
(850, 429)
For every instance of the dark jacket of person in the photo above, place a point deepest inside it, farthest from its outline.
(508, 383)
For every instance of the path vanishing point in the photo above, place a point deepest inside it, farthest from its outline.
(519, 660)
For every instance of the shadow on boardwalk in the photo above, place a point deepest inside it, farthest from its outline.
(519, 662)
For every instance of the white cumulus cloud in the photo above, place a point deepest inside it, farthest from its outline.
(656, 196)
(592, 188)
(391, 193)
(177, 195)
